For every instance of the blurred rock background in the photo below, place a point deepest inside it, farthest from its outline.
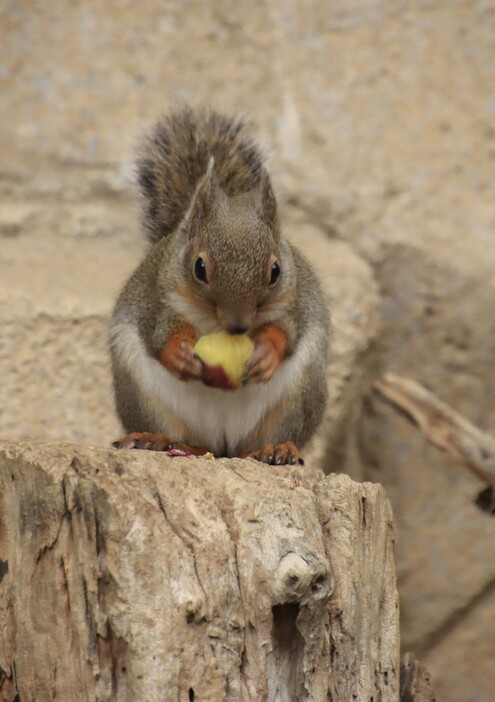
(379, 116)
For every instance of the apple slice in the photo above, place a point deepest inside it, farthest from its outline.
(224, 358)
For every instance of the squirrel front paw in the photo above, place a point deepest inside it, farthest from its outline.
(269, 352)
(179, 358)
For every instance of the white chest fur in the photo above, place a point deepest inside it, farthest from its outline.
(218, 419)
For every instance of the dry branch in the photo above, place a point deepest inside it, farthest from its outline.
(445, 428)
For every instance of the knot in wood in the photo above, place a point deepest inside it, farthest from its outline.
(299, 579)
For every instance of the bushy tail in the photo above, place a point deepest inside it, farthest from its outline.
(175, 157)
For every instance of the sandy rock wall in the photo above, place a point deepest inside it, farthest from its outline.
(379, 117)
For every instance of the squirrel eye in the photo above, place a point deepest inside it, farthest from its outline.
(274, 274)
(200, 270)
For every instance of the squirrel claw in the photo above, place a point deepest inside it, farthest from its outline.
(157, 442)
(279, 455)
(269, 352)
(261, 366)
(190, 365)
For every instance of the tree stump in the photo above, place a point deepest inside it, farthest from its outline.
(134, 576)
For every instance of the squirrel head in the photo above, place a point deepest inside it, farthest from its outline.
(236, 269)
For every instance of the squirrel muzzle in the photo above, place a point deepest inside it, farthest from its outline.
(235, 322)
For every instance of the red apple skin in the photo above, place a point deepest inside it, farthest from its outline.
(216, 377)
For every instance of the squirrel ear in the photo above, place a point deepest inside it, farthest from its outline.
(268, 200)
(203, 198)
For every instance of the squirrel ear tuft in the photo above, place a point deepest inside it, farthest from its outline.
(203, 199)
(268, 200)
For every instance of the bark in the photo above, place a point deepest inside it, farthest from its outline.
(415, 683)
(133, 576)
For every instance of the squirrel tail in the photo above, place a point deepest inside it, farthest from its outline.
(175, 156)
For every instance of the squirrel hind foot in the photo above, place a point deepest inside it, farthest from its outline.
(157, 442)
(286, 454)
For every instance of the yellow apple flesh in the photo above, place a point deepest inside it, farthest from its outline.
(224, 352)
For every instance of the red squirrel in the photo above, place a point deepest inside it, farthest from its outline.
(218, 262)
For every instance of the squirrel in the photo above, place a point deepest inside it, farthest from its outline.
(217, 262)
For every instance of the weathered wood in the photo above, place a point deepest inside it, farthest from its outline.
(415, 682)
(133, 576)
(471, 447)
